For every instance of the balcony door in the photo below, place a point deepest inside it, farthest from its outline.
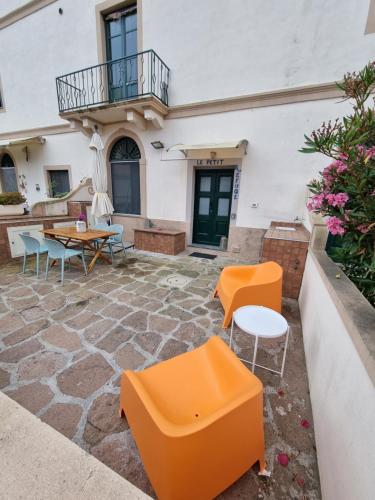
(121, 33)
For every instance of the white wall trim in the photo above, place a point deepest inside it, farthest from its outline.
(31, 132)
(24, 10)
(292, 95)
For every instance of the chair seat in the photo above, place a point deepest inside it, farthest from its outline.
(70, 252)
(190, 417)
(42, 249)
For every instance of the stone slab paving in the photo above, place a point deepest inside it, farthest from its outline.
(62, 350)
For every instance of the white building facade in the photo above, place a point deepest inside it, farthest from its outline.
(225, 90)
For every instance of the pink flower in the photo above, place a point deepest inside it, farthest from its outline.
(363, 228)
(300, 481)
(283, 459)
(370, 153)
(315, 202)
(340, 166)
(361, 149)
(305, 423)
(336, 167)
(335, 226)
(337, 200)
(327, 173)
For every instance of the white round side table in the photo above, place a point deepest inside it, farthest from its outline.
(261, 322)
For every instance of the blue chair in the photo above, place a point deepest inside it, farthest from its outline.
(56, 250)
(102, 226)
(115, 240)
(32, 246)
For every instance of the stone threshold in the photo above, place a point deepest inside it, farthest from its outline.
(39, 462)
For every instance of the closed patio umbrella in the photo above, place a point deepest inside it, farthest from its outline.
(101, 204)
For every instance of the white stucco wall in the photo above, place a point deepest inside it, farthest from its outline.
(214, 48)
(274, 173)
(221, 48)
(342, 396)
(61, 149)
(37, 49)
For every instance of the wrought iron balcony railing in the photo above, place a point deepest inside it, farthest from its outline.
(140, 75)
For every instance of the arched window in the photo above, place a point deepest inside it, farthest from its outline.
(8, 174)
(124, 159)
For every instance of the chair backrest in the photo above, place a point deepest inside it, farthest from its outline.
(116, 228)
(32, 245)
(267, 272)
(56, 250)
(102, 226)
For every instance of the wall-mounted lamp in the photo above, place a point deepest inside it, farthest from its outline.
(157, 145)
(61, 11)
(37, 187)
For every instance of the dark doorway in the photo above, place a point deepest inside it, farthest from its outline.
(212, 205)
(126, 192)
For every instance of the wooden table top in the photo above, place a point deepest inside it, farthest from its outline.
(71, 233)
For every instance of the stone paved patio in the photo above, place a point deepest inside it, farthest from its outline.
(62, 350)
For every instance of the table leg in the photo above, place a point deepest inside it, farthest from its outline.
(255, 353)
(285, 348)
(97, 255)
(231, 334)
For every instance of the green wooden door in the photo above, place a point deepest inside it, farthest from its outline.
(212, 204)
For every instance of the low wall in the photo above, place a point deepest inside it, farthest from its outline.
(339, 339)
(37, 462)
(24, 221)
(59, 206)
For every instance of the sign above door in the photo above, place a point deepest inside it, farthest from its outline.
(208, 151)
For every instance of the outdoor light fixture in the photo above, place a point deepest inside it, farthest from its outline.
(157, 145)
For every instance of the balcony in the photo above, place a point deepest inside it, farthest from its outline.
(137, 84)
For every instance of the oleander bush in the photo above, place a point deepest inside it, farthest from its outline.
(13, 198)
(344, 192)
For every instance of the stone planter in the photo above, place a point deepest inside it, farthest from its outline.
(11, 210)
(159, 240)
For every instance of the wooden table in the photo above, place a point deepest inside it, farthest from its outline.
(69, 235)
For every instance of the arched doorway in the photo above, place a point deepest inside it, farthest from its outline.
(8, 176)
(124, 163)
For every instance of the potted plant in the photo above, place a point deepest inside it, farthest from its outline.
(81, 223)
(12, 203)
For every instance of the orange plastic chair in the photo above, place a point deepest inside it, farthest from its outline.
(197, 420)
(258, 285)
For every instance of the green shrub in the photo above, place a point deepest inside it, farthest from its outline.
(11, 198)
(344, 193)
